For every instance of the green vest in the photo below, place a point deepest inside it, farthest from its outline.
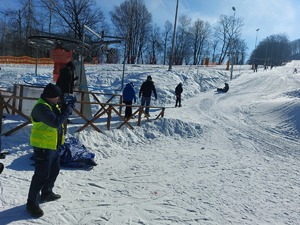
(42, 135)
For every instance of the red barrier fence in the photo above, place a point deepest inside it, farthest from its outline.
(24, 60)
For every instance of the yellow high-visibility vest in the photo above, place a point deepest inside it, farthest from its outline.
(42, 135)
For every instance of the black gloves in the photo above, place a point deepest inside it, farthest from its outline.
(69, 103)
(68, 108)
(70, 99)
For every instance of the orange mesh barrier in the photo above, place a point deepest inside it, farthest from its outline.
(24, 60)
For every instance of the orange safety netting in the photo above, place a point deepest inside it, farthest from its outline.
(24, 60)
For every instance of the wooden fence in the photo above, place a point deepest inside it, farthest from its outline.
(109, 109)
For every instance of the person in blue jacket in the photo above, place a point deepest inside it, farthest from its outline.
(128, 97)
(47, 135)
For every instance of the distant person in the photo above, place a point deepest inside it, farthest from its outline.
(255, 68)
(224, 89)
(1, 164)
(47, 135)
(178, 91)
(66, 79)
(295, 70)
(2, 156)
(128, 97)
(145, 92)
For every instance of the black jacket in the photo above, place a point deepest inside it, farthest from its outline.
(178, 89)
(147, 88)
(66, 80)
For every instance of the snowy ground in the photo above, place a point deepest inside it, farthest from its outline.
(220, 159)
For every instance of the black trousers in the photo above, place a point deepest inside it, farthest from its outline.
(128, 109)
(178, 100)
(47, 167)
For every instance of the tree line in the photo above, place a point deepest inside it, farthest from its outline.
(144, 41)
(275, 50)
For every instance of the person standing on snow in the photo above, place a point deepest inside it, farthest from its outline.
(145, 92)
(128, 97)
(67, 79)
(47, 135)
(178, 91)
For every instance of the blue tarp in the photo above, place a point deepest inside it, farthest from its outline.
(75, 154)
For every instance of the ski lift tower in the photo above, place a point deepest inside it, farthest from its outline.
(62, 49)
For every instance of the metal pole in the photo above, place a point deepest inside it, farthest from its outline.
(173, 39)
(266, 55)
(36, 60)
(231, 69)
(254, 58)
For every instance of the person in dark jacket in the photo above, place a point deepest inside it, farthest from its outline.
(2, 156)
(225, 89)
(1, 167)
(145, 92)
(128, 97)
(178, 91)
(67, 79)
(47, 135)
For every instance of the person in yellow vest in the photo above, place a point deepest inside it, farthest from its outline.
(47, 135)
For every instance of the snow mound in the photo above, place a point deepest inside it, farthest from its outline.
(172, 127)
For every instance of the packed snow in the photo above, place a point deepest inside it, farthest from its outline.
(228, 158)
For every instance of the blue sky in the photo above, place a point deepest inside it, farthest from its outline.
(270, 16)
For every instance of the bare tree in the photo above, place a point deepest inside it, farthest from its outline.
(4, 29)
(214, 46)
(167, 39)
(132, 21)
(73, 14)
(155, 44)
(48, 6)
(28, 11)
(239, 50)
(182, 50)
(200, 34)
(295, 47)
(15, 34)
(227, 30)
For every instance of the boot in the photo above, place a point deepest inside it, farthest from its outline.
(34, 210)
(50, 197)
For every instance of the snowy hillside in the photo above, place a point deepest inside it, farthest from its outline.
(220, 159)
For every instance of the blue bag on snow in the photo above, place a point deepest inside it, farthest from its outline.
(75, 154)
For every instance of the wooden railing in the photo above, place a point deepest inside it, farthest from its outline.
(111, 113)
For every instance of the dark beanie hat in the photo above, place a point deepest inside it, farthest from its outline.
(71, 65)
(149, 78)
(51, 91)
